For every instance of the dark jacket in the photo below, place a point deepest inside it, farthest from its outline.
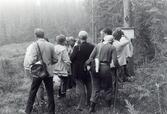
(107, 53)
(78, 58)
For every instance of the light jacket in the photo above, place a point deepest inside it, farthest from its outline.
(122, 51)
(62, 67)
(48, 55)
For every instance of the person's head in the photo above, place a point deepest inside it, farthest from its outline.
(105, 31)
(108, 38)
(39, 33)
(118, 34)
(70, 41)
(83, 35)
(61, 39)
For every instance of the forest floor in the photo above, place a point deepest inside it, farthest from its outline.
(145, 95)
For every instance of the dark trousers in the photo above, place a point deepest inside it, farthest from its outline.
(120, 72)
(40, 92)
(36, 82)
(130, 66)
(71, 82)
(102, 80)
(63, 85)
(84, 89)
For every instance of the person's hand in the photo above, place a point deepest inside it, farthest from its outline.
(88, 67)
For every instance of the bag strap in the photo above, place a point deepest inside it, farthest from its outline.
(40, 52)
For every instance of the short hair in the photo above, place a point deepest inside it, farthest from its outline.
(83, 35)
(60, 39)
(107, 31)
(39, 32)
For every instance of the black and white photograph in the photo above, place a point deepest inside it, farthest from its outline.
(83, 56)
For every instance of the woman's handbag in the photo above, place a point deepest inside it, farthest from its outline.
(39, 68)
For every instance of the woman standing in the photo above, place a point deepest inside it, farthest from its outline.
(63, 65)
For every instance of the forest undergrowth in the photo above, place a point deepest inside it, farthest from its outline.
(145, 95)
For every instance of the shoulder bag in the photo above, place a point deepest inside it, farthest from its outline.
(39, 69)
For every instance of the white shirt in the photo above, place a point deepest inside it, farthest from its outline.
(129, 49)
(122, 50)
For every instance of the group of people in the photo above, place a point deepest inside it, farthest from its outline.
(77, 63)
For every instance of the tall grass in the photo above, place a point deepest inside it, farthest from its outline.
(13, 90)
(146, 95)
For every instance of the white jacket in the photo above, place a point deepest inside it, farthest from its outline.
(122, 50)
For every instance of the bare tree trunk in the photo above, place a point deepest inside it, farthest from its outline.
(127, 23)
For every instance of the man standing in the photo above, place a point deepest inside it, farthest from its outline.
(78, 58)
(104, 32)
(105, 52)
(49, 57)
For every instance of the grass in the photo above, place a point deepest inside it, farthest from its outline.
(139, 97)
(13, 50)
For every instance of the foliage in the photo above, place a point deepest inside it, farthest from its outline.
(130, 107)
(107, 13)
(147, 17)
(147, 93)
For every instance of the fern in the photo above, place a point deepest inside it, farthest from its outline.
(131, 108)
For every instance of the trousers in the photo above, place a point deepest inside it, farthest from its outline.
(83, 89)
(63, 84)
(36, 82)
(40, 92)
(102, 81)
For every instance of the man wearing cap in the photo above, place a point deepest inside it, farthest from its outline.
(106, 53)
(78, 57)
(50, 58)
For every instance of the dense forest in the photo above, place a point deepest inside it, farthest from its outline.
(148, 17)
(18, 18)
